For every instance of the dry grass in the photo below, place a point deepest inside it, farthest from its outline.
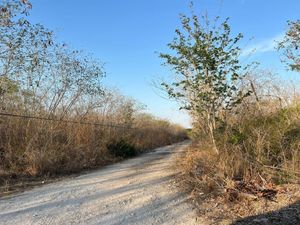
(208, 187)
(35, 148)
(257, 169)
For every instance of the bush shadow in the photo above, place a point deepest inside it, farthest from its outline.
(289, 215)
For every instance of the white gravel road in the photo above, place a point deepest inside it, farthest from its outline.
(135, 191)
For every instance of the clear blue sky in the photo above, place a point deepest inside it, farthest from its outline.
(125, 34)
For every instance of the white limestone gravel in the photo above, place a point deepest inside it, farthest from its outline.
(136, 191)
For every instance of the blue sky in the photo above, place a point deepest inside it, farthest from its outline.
(126, 34)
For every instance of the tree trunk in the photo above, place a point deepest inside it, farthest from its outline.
(211, 126)
(212, 137)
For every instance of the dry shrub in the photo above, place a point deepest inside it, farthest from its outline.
(266, 144)
(222, 199)
(256, 151)
(32, 147)
(199, 170)
(37, 147)
(150, 128)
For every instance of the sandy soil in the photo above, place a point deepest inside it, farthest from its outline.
(135, 191)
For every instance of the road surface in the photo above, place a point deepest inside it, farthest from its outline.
(136, 191)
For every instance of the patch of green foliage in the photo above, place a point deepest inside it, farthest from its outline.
(122, 148)
(266, 142)
(236, 137)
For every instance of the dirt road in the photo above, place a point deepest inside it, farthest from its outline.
(135, 191)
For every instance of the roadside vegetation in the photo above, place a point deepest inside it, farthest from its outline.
(56, 116)
(246, 120)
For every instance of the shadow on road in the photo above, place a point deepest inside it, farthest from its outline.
(135, 191)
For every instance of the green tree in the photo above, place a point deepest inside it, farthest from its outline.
(290, 46)
(208, 70)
